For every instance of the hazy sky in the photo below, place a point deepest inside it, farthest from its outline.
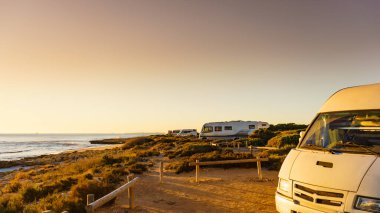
(143, 66)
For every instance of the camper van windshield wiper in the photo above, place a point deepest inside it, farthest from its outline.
(351, 144)
(316, 147)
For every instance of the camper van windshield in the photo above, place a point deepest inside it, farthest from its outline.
(207, 129)
(354, 132)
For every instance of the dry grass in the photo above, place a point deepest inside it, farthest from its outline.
(64, 185)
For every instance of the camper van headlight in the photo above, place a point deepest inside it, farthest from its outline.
(284, 185)
(368, 204)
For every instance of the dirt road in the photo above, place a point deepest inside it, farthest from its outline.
(219, 190)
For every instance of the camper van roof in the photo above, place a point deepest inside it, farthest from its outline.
(354, 98)
(239, 121)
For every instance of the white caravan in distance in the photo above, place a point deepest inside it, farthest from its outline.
(336, 165)
(188, 132)
(230, 129)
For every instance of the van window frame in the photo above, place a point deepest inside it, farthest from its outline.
(218, 128)
(228, 129)
(316, 118)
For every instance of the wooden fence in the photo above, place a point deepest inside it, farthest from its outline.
(197, 165)
(92, 205)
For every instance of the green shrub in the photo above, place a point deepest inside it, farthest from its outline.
(274, 162)
(182, 165)
(56, 203)
(132, 142)
(276, 157)
(111, 176)
(163, 147)
(137, 168)
(88, 176)
(148, 153)
(257, 142)
(284, 138)
(85, 187)
(11, 203)
(119, 171)
(30, 193)
(261, 136)
(287, 126)
(109, 160)
(12, 186)
(192, 148)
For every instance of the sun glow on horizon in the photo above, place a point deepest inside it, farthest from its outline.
(151, 66)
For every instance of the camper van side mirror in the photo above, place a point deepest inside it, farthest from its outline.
(302, 133)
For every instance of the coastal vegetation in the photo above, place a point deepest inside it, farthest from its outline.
(61, 182)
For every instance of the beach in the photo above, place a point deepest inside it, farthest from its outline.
(18, 146)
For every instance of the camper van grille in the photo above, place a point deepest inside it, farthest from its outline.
(321, 193)
(317, 196)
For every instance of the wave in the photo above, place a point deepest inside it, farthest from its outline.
(45, 141)
(11, 152)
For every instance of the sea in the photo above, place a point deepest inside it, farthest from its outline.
(18, 146)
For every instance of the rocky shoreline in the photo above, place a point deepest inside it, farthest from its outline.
(109, 141)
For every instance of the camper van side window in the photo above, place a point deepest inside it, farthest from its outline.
(252, 126)
(228, 128)
(218, 128)
(263, 124)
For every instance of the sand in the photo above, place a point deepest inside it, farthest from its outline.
(219, 190)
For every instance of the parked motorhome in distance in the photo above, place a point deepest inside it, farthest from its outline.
(183, 132)
(188, 132)
(336, 165)
(230, 129)
(175, 132)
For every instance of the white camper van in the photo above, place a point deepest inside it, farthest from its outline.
(230, 129)
(188, 132)
(336, 165)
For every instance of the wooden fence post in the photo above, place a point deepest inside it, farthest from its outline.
(251, 150)
(196, 171)
(238, 145)
(90, 199)
(259, 168)
(131, 196)
(161, 170)
(246, 144)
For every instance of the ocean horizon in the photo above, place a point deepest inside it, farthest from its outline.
(18, 146)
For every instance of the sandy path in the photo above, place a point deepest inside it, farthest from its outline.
(220, 190)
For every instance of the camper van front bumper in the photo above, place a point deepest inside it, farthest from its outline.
(287, 205)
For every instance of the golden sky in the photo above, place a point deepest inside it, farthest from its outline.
(143, 66)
